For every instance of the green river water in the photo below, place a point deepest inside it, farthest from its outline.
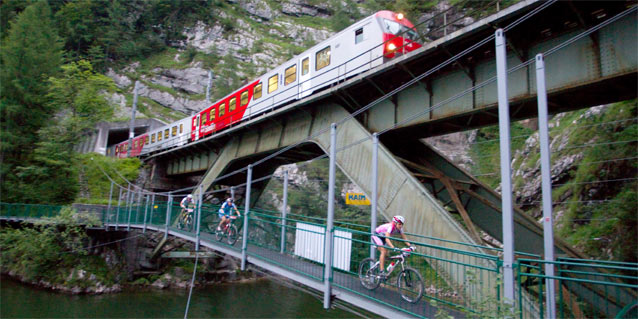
(259, 299)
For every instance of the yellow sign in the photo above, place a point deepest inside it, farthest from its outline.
(356, 199)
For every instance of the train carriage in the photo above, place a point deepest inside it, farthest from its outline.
(121, 150)
(168, 136)
(358, 48)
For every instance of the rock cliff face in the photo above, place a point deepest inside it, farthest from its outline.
(257, 39)
(238, 44)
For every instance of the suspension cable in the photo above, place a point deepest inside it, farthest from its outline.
(190, 292)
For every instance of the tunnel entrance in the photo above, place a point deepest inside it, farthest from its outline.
(119, 135)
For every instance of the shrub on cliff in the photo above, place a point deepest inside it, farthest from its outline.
(50, 250)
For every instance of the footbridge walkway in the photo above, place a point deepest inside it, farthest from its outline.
(292, 246)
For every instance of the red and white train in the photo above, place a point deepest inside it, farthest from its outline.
(360, 47)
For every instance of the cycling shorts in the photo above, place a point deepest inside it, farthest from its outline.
(221, 213)
(380, 240)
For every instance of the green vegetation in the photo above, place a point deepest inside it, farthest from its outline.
(31, 53)
(485, 152)
(93, 168)
(50, 97)
(49, 172)
(608, 144)
(52, 249)
(310, 197)
(597, 199)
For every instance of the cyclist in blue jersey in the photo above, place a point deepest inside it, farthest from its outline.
(225, 211)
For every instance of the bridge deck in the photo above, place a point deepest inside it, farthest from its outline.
(343, 283)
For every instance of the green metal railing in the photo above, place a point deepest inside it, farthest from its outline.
(585, 288)
(27, 211)
(457, 277)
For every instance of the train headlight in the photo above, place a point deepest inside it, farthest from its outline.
(391, 47)
(400, 16)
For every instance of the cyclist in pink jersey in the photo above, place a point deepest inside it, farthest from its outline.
(384, 232)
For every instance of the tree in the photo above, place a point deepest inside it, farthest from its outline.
(52, 171)
(78, 92)
(78, 25)
(51, 176)
(31, 53)
(9, 10)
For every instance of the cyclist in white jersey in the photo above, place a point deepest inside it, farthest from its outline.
(187, 200)
(383, 234)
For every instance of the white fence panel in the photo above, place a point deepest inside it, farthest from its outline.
(309, 243)
(309, 240)
(343, 249)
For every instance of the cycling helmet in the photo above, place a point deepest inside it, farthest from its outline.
(398, 219)
(189, 196)
(230, 200)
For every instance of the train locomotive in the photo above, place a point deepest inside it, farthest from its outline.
(356, 49)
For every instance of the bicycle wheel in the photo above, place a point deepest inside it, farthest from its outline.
(219, 234)
(189, 223)
(410, 285)
(179, 222)
(369, 273)
(232, 235)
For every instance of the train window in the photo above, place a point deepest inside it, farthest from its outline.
(244, 98)
(396, 28)
(232, 104)
(159, 136)
(273, 81)
(146, 140)
(117, 150)
(305, 66)
(153, 138)
(257, 91)
(181, 128)
(166, 133)
(202, 120)
(322, 59)
(212, 114)
(174, 130)
(135, 144)
(222, 109)
(291, 75)
(358, 35)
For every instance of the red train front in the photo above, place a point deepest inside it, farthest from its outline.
(399, 35)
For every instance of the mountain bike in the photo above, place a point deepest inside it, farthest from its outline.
(185, 219)
(409, 282)
(229, 230)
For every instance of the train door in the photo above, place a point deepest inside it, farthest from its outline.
(305, 82)
(197, 123)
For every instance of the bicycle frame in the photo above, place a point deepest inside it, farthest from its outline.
(401, 259)
(230, 222)
(409, 282)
